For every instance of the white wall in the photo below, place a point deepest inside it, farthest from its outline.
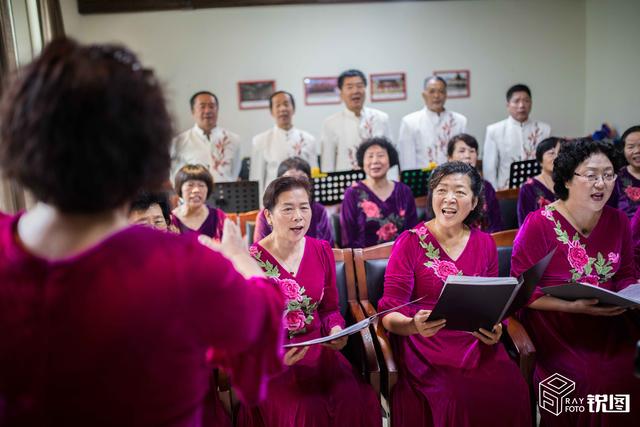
(613, 63)
(541, 43)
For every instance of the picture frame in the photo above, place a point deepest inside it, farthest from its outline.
(254, 94)
(388, 86)
(458, 82)
(321, 90)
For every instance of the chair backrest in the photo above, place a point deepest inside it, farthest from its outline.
(504, 243)
(335, 227)
(345, 279)
(421, 208)
(508, 201)
(371, 264)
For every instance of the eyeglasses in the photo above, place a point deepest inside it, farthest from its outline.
(593, 178)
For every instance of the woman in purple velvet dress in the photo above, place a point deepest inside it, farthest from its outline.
(193, 184)
(537, 192)
(445, 377)
(626, 195)
(590, 345)
(318, 387)
(102, 323)
(376, 210)
(320, 227)
(464, 148)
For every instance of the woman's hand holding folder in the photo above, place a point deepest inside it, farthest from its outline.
(425, 327)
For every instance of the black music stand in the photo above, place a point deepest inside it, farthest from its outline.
(520, 171)
(235, 197)
(329, 190)
(417, 180)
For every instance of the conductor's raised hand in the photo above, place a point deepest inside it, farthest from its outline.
(425, 327)
(489, 337)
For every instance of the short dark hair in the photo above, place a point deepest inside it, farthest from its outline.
(477, 187)
(438, 78)
(196, 173)
(192, 100)
(464, 137)
(279, 186)
(85, 127)
(381, 142)
(632, 129)
(571, 154)
(296, 163)
(518, 88)
(350, 73)
(546, 145)
(273, 95)
(144, 199)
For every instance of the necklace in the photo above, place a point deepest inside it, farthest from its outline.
(294, 263)
(582, 230)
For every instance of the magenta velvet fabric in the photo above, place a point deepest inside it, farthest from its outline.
(117, 335)
(595, 352)
(451, 375)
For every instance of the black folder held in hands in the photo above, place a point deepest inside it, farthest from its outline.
(626, 298)
(469, 303)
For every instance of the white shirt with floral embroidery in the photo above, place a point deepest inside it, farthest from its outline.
(271, 147)
(510, 141)
(424, 136)
(220, 152)
(343, 132)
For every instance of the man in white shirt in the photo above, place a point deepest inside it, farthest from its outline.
(513, 139)
(280, 142)
(206, 143)
(424, 134)
(343, 132)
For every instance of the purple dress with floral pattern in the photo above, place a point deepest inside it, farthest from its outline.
(626, 195)
(451, 378)
(595, 352)
(322, 389)
(320, 227)
(532, 196)
(367, 221)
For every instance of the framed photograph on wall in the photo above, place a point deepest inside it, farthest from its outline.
(321, 90)
(388, 87)
(458, 82)
(255, 94)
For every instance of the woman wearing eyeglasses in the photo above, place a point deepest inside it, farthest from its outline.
(589, 344)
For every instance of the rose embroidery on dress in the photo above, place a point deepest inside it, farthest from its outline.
(389, 225)
(632, 193)
(584, 269)
(299, 308)
(531, 143)
(442, 269)
(298, 146)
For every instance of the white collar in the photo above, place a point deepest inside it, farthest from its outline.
(517, 123)
(200, 132)
(433, 114)
(279, 130)
(350, 113)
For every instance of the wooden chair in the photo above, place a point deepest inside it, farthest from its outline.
(508, 201)
(242, 218)
(421, 207)
(517, 341)
(360, 348)
(370, 264)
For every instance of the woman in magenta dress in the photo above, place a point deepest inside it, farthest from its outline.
(376, 210)
(448, 378)
(320, 227)
(319, 387)
(626, 195)
(537, 192)
(588, 344)
(193, 184)
(102, 323)
(464, 148)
